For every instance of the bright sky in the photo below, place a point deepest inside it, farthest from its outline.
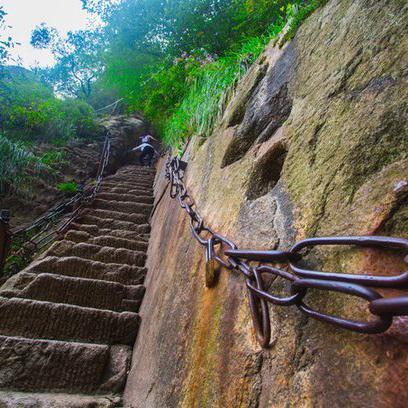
(25, 15)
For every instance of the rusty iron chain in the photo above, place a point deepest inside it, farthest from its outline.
(222, 252)
(44, 230)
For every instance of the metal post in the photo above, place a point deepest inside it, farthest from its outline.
(5, 237)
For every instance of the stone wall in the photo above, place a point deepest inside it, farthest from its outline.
(312, 144)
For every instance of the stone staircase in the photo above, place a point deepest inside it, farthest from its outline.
(68, 321)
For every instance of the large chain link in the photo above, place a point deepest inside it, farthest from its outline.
(257, 265)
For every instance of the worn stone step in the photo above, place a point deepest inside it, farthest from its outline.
(86, 268)
(45, 365)
(111, 223)
(134, 185)
(91, 293)
(146, 189)
(98, 253)
(118, 215)
(134, 169)
(142, 235)
(123, 206)
(45, 320)
(130, 186)
(12, 399)
(147, 199)
(119, 189)
(131, 179)
(106, 240)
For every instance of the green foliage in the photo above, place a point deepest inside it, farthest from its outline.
(31, 113)
(70, 187)
(78, 59)
(52, 158)
(51, 121)
(201, 108)
(144, 37)
(16, 166)
(6, 42)
(14, 264)
(179, 61)
(81, 117)
(211, 88)
(176, 61)
(296, 13)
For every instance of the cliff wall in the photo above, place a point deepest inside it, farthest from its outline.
(312, 144)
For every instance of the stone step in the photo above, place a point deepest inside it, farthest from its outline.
(45, 320)
(118, 215)
(111, 223)
(147, 199)
(44, 365)
(106, 240)
(118, 189)
(144, 180)
(144, 189)
(130, 186)
(139, 170)
(131, 179)
(12, 399)
(134, 168)
(123, 206)
(91, 293)
(97, 253)
(142, 235)
(86, 268)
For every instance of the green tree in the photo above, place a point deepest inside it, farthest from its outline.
(6, 42)
(78, 59)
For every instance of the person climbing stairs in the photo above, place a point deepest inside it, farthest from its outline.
(68, 321)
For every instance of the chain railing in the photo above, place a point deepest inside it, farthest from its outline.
(255, 266)
(25, 243)
(5, 236)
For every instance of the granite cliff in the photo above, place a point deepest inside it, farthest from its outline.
(313, 143)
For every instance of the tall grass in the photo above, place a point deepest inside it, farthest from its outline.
(16, 166)
(201, 109)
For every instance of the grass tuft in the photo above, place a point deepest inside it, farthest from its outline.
(17, 165)
(70, 187)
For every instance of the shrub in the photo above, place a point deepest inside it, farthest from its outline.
(81, 117)
(51, 120)
(31, 113)
(70, 187)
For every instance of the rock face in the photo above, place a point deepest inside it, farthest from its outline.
(313, 144)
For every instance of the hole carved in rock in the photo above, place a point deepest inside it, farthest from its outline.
(267, 171)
